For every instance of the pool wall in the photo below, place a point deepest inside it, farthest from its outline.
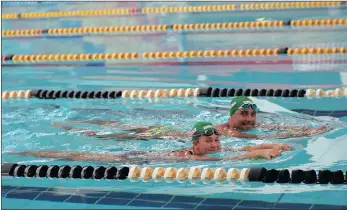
(120, 199)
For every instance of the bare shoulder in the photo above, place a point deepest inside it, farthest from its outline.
(221, 127)
(238, 134)
(226, 131)
(234, 132)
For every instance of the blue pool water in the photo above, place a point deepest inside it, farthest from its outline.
(26, 124)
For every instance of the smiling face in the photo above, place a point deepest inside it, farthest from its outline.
(207, 144)
(244, 119)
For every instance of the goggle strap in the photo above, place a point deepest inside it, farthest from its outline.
(215, 131)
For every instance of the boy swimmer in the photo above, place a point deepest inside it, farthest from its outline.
(205, 140)
(243, 115)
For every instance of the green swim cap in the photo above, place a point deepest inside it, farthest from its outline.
(202, 128)
(237, 102)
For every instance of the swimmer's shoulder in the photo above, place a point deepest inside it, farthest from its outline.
(219, 127)
(181, 153)
(227, 131)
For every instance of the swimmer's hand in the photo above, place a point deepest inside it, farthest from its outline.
(321, 129)
(282, 147)
(266, 153)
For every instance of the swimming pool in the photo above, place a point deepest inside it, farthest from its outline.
(26, 124)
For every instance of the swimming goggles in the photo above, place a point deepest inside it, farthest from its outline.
(208, 132)
(246, 105)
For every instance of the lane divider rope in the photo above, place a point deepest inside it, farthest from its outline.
(172, 174)
(174, 27)
(180, 9)
(26, 3)
(39, 58)
(171, 93)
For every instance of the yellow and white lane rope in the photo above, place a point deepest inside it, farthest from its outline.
(178, 9)
(193, 174)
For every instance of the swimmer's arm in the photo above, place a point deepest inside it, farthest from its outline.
(203, 158)
(291, 134)
(250, 148)
(229, 149)
(248, 155)
(286, 134)
(238, 134)
(236, 157)
(281, 127)
(284, 147)
(278, 135)
(263, 153)
(260, 153)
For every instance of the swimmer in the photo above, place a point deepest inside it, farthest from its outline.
(242, 112)
(243, 116)
(205, 140)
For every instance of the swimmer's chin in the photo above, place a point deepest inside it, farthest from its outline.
(213, 151)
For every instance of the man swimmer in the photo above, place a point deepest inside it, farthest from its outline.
(243, 115)
(205, 140)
